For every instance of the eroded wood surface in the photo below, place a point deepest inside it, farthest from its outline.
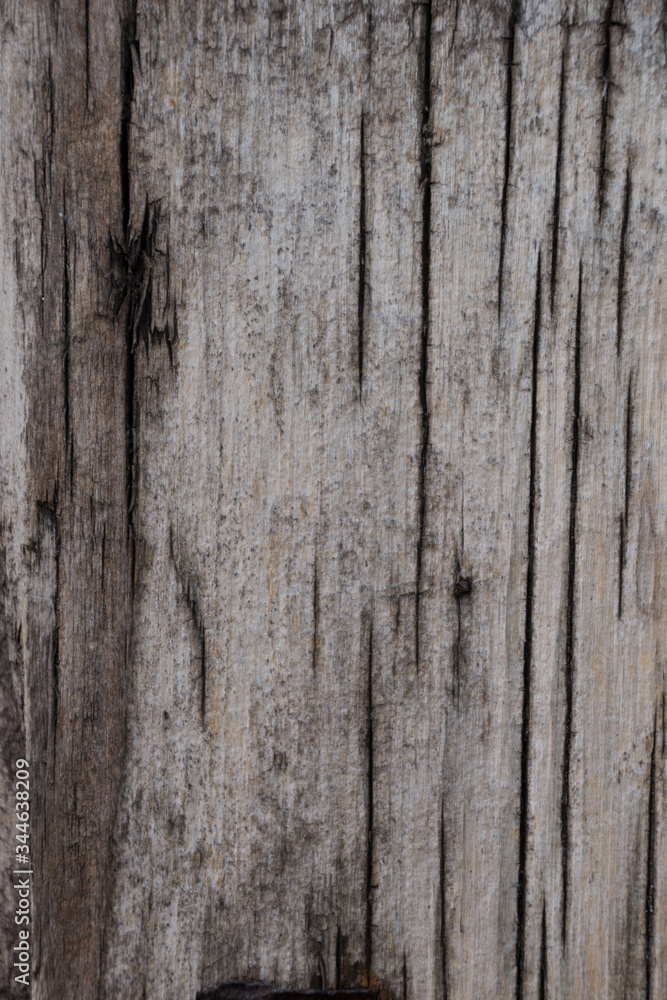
(333, 517)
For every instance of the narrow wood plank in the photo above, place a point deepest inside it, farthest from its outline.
(246, 789)
(74, 526)
(492, 204)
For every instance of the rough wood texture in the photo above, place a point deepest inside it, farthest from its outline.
(333, 589)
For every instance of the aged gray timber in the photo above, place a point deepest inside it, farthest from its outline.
(333, 512)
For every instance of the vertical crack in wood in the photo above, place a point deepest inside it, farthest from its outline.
(190, 592)
(50, 141)
(649, 902)
(624, 518)
(316, 616)
(404, 991)
(607, 84)
(128, 33)
(606, 71)
(321, 971)
(569, 635)
(87, 17)
(456, 658)
(425, 177)
(370, 806)
(339, 955)
(528, 650)
(362, 256)
(52, 511)
(442, 893)
(128, 42)
(457, 653)
(555, 227)
(543, 955)
(103, 553)
(69, 444)
(511, 32)
(455, 28)
(604, 111)
(620, 284)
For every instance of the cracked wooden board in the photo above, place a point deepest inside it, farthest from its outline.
(333, 495)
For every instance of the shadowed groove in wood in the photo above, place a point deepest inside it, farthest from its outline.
(649, 903)
(128, 40)
(625, 515)
(128, 43)
(543, 955)
(620, 283)
(524, 797)
(67, 315)
(238, 990)
(190, 591)
(87, 18)
(569, 634)
(443, 905)
(607, 84)
(555, 223)
(362, 255)
(316, 616)
(452, 40)
(370, 806)
(425, 177)
(456, 658)
(507, 163)
(50, 511)
(339, 955)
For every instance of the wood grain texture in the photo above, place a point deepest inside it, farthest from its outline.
(334, 495)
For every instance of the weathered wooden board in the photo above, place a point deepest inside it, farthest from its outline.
(334, 495)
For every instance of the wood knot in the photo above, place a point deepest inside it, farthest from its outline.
(463, 586)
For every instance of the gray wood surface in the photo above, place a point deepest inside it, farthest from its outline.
(334, 495)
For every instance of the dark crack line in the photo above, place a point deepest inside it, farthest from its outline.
(454, 29)
(128, 44)
(339, 956)
(624, 518)
(316, 617)
(457, 653)
(514, 16)
(189, 590)
(620, 284)
(443, 904)
(131, 414)
(606, 73)
(528, 651)
(543, 955)
(369, 819)
(425, 173)
(649, 902)
(362, 256)
(569, 639)
(607, 84)
(555, 231)
(87, 15)
(55, 664)
(69, 444)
